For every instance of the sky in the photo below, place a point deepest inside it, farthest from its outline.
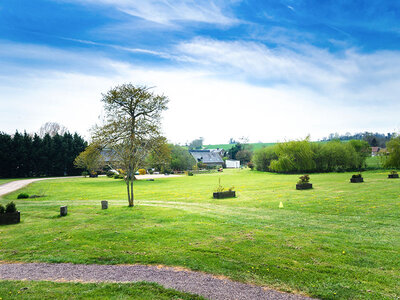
(265, 70)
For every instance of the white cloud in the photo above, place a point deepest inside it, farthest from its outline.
(320, 93)
(169, 11)
(350, 77)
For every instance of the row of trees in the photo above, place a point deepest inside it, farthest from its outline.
(374, 139)
(305, 156)
(24, 155)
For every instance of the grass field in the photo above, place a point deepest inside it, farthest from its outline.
(2, 181)
(56, 290)
(253, 146)
(339, 240)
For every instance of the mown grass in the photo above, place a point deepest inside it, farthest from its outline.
(339, 240)
(253, 146)
(57, 290)
(2, 181)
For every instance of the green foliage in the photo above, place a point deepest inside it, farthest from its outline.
(181, 159)
(196, 144)
(110, 174)
(85, 174)
(244, 156)
(304, 179)
(393, 158)
(11, 208)
(2, 209)
(250, 165)
(91, 159)
(22, 196)
(25, 156)
(305, 156)
(293, 156)
(263, 157)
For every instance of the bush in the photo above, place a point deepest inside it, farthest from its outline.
(85, 174)
(118, 176)
(23, 196)
(151, 171)
(304, 179)
(263, 157)
(110, 174)
(190, 173)
(142, 172)
(10, 208)
(305, 156)
(250, 165)
(2, 209)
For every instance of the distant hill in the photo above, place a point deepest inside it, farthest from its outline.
(254, 146)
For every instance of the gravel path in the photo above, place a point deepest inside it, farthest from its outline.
(12, 186)
(198, 283)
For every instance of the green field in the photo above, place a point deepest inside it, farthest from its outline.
(337, 241)
(57, 290)
(226, 147)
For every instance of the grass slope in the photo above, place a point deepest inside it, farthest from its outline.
(57, 290)
(339, 240)
(253, 146)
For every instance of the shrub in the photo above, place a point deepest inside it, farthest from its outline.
(393, 148)
(118, 176)
(2, 209)
(142, 172)
(151, 172)
(304, 179)
(393, 172)
(10, 208)
(85, 174)
(121, 172)
(110, 174)
(23, 196)
(250, 165)
(190, 173)
(263, 157)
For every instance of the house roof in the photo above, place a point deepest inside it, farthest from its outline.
(206, 156)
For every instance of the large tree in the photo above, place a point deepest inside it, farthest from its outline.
(131, 127)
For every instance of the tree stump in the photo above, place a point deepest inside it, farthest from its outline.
(104, 204)
(63, 211)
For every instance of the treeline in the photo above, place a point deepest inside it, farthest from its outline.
(307, 157)
(24, 155)
(374, 139)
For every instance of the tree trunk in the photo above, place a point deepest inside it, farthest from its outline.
(130, 201)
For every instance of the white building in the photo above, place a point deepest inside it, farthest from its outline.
(230, 163)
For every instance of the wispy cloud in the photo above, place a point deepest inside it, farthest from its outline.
(72, 96)
(168, 12)
(351, 76)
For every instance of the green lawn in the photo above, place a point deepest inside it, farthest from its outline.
(339, 240)
(374, 162)
(2, 181)
(56, 290)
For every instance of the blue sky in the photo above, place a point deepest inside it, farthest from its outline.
(266, 70)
